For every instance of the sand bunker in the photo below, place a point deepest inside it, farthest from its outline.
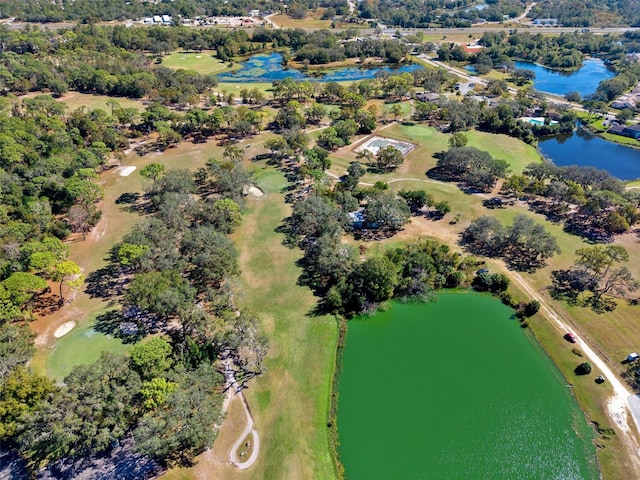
(65, 328)
(198, 56)
(252, 191)
(126, 171)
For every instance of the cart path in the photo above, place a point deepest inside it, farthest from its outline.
(233, 454)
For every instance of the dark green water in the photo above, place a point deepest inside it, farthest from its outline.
(455, 390)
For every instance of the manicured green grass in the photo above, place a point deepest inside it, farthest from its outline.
(82, 346)
(291, 399)
(75, 100)
(203, 62)
(429, 141)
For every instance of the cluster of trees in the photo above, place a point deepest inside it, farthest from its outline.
(172, 270)
(589, 13)
(170, 405)
(476, 168)
(105, 10)
(590, 201)
(564, 51)
(89, 59)
(524, 245)
(596, 278)
(426, 13)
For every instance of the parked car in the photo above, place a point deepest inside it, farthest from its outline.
(632, 357)
(570, 337)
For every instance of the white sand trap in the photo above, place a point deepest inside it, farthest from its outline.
(198, 56)
(183, 58)
(63, 329)
(126, 171)
(255, 192)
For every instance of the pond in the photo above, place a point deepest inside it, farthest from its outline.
(584, 81)
(454, 389)
(583, 148)
(268, 67)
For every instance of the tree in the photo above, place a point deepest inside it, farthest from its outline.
(233, 153)
(416, 199)
(184, 426)
(154, 392)
(16, 346)
(374, 280)
(129, 254)
(389, 158)
(69, 272)
(152, 358)
(396, 110)
(79, 219)
(21, 393)
(386, 212)
(153, 171)
(163, 293)
(596, 271)
(458, 140)
(21, 287)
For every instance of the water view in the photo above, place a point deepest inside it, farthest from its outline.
(454, 389)
(583, 148)
(584, 81)
(268, 67)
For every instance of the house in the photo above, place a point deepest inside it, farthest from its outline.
(254, 13)
(426, 96)
(546, 22)
(157, 19)
(166, 19)
(358, 220)
(147, 21)
(631, 131)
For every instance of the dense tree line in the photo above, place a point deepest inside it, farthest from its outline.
(105, 10)
(589, 13)
(591, 202)
(525, 245)
(426, 13)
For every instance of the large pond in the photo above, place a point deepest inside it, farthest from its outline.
(268, 67)
(454, 389)
(582, 148)
(584, 81)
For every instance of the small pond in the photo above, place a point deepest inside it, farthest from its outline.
(454, 389)
(583, 148)
(268, 67)
(584, 81)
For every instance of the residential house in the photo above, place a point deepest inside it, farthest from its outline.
(631, 131)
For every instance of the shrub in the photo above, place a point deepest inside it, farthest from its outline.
(583, 369)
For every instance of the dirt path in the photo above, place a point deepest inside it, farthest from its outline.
(233, 388)
(233, 454)
(622, 402)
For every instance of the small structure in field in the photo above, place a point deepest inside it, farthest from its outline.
(375, 143)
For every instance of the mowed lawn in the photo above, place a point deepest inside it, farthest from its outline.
(74, 100)
(428, 141)
(290, 401)
(204, 62)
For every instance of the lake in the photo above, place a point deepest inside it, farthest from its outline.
(584, 81)
(268, 67)
(583, 148)
(454, 389)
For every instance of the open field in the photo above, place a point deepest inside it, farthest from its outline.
(75, 100)
(430, 141)
(290, 401)
(285, 21)
(203, 62)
